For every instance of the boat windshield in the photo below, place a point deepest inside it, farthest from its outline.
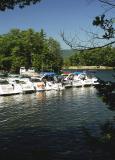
(20, 82)
(35, 80)
(2, 82)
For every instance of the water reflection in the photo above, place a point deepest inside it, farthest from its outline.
(70, 107)
(41, 96)
(50, 125)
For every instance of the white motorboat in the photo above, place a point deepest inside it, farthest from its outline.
(6, 88)
(77, 83)
(51, 81)
(81, 79)
(48, 85)
(68, 80)
(24, 85)
(86, 79)
(95, 81)
(67, 83)
(38, 84)
(58, 86)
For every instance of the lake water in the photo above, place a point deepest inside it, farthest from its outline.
(54, 125)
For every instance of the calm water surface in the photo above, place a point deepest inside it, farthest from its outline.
(53, 125)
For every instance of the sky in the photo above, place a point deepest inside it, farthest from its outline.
(54, 16)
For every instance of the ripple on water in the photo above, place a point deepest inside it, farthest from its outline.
(51, 124)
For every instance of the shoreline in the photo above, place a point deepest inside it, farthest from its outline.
(90, 67)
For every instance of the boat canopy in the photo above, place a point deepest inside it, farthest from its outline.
(48, 73)
(77, 73)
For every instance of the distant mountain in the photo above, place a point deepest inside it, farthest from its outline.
(67, 53)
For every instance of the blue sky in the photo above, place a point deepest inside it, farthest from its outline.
(70, 16)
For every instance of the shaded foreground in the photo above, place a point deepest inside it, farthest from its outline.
(68, 144)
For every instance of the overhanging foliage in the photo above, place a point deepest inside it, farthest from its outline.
(10, 4)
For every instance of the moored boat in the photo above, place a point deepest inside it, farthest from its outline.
(24, 85)
(6, 88)
(38, 84)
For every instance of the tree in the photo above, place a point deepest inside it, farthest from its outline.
(106, 24)
(10, 4)
(96, 57)
(30, 49)
(94, 39)
(55, 57)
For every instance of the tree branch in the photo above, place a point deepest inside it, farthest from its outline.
(10, 4)
(108, 2)
(79, 47)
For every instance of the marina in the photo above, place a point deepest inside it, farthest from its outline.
(55, 124)
(31, 82)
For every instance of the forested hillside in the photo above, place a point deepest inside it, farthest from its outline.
(97, 57)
